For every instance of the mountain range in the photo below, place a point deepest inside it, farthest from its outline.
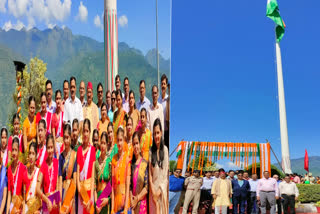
(297, 165)
(69, 55)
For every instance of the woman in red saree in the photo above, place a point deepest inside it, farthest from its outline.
(145, 135)
(86, 157)
(30, 178)
(139, 179)
(158, 172)
(16, 132)
(48, 178)
(16, 170)
(57, 125)
(44, 114)
(121, 172)
(119, 115)
(42, 150)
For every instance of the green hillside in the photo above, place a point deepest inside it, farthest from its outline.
(68, 55)
(297, 165)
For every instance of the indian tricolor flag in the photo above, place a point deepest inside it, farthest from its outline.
(274, 14)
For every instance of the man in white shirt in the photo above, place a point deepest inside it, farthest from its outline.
(65, 93)
(143, 102)
(290, 193)
(163, 101)
(252, 197)
(206, 190)
(73, 107)
(51, 105)
(126, 89)
(155, 110)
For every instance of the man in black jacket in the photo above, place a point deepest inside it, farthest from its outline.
(240, 188)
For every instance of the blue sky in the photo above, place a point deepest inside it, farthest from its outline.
(138, 31)
(224, 84)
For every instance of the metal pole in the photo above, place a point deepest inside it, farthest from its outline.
(157, 44)
(276, 158)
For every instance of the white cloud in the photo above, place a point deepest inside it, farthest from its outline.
(18, 8)
(51, 26)
(82, 13)
(8, 25)
(97, 21)
(47, 11)
(123, 21)
(232, 165)
(219, 166)
(3, 6)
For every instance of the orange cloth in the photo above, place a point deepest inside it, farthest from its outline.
(146, 143)
(31, 129)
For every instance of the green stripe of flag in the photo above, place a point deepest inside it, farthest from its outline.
(274, 14)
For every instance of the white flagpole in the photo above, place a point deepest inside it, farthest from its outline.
(157, 44)
(286, 165)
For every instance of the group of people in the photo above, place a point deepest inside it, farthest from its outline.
(236, 192)
(75, 156)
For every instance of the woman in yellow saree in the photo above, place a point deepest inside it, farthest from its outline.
(119, 115)
(158, 172)
(129, 133)
(67, 173)
(145, 135)
(29, 127)
(121, 172)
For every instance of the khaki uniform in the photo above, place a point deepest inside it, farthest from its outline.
(193, 185)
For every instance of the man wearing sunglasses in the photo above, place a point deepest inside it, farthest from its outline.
(113, 106)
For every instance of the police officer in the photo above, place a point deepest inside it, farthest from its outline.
(193, 185)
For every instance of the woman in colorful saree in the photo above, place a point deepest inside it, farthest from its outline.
(121, 172)
(4, 147)
(3, 186)
(67, 173)
(47, 186)
(145, 135)
(139, 179)
(57, 125)
(42, 149)
(119, 115)
(129, 132)
(86, 157)
(103, 174)
(29, 128)
(15, 202)
(103, 123)
(158, 172)
(133, 111)
(30, 178)
(16, 132)
(44, 114)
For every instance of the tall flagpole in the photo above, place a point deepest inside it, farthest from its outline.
(286, 165)
(157, 44)
(110, 43)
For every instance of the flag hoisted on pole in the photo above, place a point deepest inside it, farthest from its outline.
(274, 14)
(306, 161)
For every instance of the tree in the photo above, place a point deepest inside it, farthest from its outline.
(274, 170)
(33, 83)
(172, 165)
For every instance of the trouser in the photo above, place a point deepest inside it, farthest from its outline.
(182, 195)
(194, 196)
(289, 201)
(238, 200)
(173, 200)
(206, 197)
(270, 197)
(278, 201)
(166, 138)
(252, 203)
(222, 208)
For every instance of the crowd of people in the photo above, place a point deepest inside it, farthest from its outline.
(76, 156)
(231, 192)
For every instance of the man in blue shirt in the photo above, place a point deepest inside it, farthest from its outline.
(240, 189)
(176, 183)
